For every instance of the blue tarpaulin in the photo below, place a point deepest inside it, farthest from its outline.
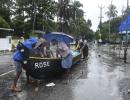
(125, 25)
(29, 42)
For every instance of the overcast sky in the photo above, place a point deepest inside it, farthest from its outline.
(92, 10)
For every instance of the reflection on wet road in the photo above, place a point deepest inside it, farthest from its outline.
(101, 77)
(102, 81)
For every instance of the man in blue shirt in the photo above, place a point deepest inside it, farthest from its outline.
(18, 58)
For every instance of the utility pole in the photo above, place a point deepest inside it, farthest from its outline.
(101, 8)
(126, 42)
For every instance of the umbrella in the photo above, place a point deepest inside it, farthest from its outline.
(59, 36)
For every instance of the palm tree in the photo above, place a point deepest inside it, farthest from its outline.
(112, 12)
(63, 14)
(76, 9)
(77, 16)
(69, 15)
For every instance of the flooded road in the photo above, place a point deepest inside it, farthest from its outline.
(102, 81)
(100, 77)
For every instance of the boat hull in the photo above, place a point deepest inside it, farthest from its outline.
(40, 68)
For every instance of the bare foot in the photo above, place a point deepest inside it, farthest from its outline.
(15, 89)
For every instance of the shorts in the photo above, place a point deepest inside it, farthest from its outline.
(18, 66)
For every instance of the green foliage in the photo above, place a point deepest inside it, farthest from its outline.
(3, 23)
(112, 24)
(85, 30)
(6, 9)
(18, 23)
(30, 15)
(69, 14)
(115, 23)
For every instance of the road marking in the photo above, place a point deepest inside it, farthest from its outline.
(6, 73)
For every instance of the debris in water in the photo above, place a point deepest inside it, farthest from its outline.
(50, 84)
(129, 91)
(99, 55)
(36, 89)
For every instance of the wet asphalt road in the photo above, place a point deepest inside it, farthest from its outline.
(100, 77)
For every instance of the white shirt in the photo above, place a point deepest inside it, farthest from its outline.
(63, 49)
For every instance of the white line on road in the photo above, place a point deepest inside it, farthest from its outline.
(6, 73)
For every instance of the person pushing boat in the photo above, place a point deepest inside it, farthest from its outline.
(19, 58)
